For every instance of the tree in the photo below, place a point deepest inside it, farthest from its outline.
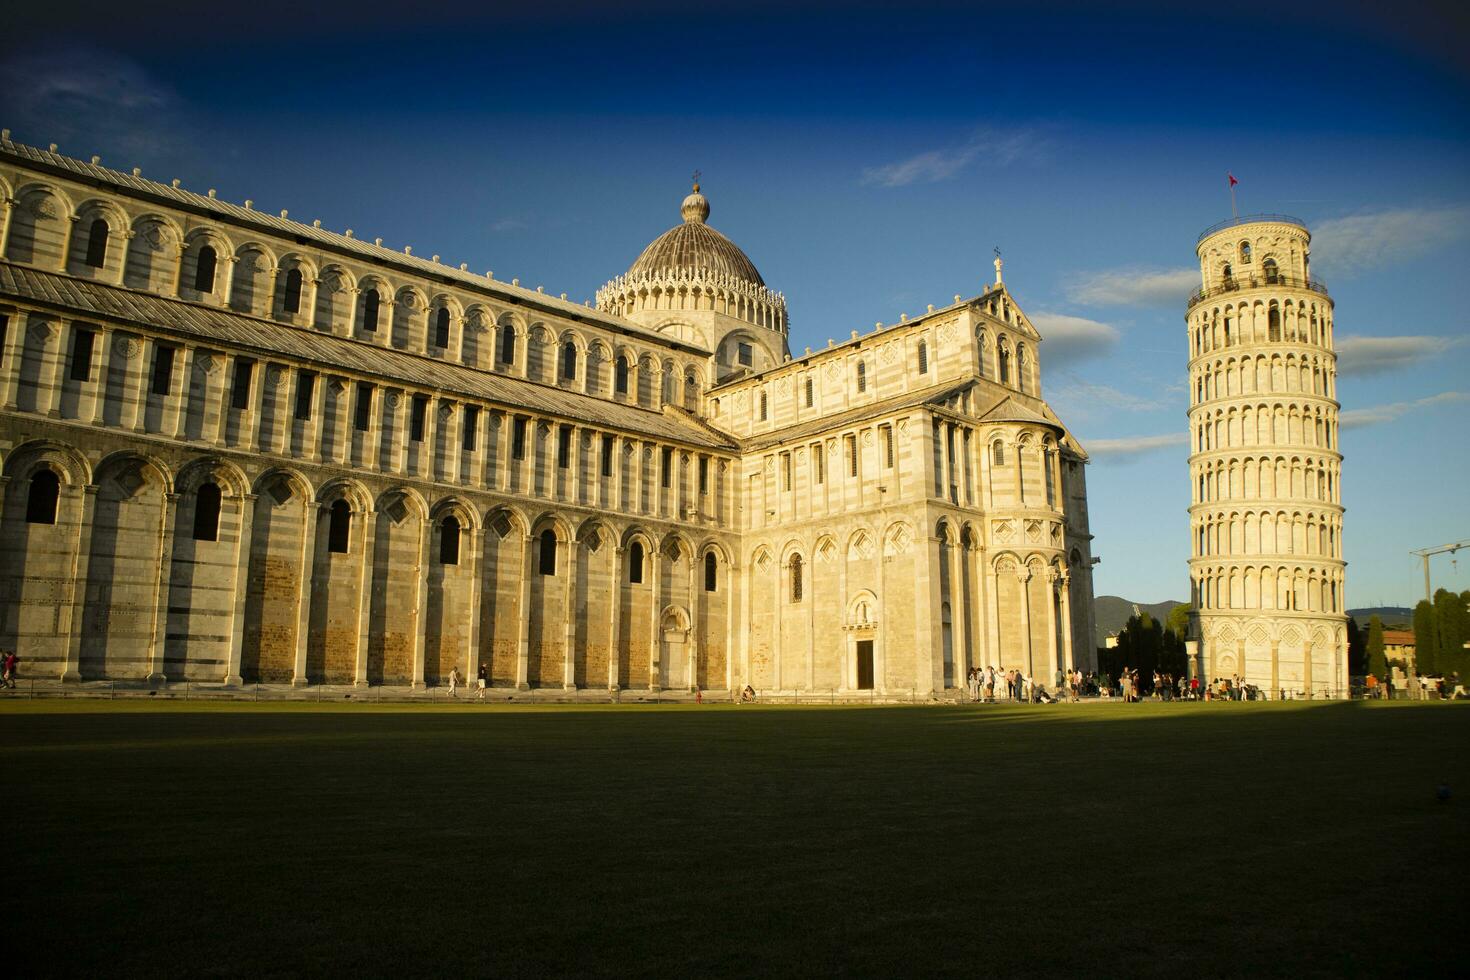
(1179, 620)
(1146, 646)
(1426, 641)
(1377, 662)
(1357, 649)
(1452, 629)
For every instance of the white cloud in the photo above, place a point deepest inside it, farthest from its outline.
(1378, 355)
(1134, 286)
(1358, 418)
(1068, 339)
(1127, 450)
(1346, 246)
(992, 146)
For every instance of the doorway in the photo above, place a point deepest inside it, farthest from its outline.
(865, 665)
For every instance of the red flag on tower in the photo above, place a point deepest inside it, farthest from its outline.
(1232, 179)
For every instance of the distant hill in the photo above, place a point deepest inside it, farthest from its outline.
(1111, 613)
(1391, 615)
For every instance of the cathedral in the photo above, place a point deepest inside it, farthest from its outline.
(240, 449)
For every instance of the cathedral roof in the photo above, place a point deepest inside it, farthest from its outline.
(694, 248)
(1010, 410)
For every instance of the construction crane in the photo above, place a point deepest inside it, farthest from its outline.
(1423, 555)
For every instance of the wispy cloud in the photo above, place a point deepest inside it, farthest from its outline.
(1128, 450)
(508, 224)
(1379, 355)
(1069, 339)
(1133, 286)
(1359, 418)
(989, 146)
(1081, 397)
(1346, 246)
(72, 92)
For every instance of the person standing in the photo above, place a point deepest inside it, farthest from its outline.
(480, 679)
(10, 662)
(453, 681)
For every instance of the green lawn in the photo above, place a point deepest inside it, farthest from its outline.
(1145, 839)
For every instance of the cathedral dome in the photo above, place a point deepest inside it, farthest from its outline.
(693, 249)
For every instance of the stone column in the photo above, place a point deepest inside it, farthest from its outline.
(569, 674)
(58, 372)
(943, 434)
(472, 633)
(696, 598)
(1052, 661)
(846, 674)
(316, 425)
(523, 639)
(369, 519)
(222, 403)
(1306, 667)
(880, 652)
(308, 569)
(614, 641)
(81, 563)
(135, 394)
(421, 601)
(260, 379)
(99, 387)
(958, 611)
(242, 572)
(186, 380)
(1275, 669)
(655, 615)
(992, 577)
(15, 337)
(1023, 575)
(10, 204)
(1070, 663)
(156, 673)
(431, 435)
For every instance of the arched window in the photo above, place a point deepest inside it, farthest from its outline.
(339, 528)
(569, 361)
(1227, 272)
(508, 344)
(449, 541)
(1269, 268)
(547, 564)
(41, 498)
(206, 512)
(711, 570)
(997, 454)
(1273, 322)
(1022, 367)
(809, 389)
(291, 301)
(923, 357)
(441, 327)
(862, 376)
(1051, 479)
(371, 302)
(1245, 253)
(204, 268)
(795, 578)
(635, 563)
(1003, 358)
(620, 375)
(97, 236)
(763, 406)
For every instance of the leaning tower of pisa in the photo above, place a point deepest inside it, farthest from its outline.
(1266, 566)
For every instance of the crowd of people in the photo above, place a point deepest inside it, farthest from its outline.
(991, 684)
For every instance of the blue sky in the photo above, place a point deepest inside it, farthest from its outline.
(868, 160)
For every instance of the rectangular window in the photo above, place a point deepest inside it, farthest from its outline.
(81, 354)
(607, 453)
(471, 427)
(666, 468)
(305, 385)
(785, 471)
(163, 370)
(745, 355)
(518, 438)
(819, 464)
(704, 475)
(887, 447)
(240, 389)
(564, 446)
(362, 419)
(417, 416)
(852, 455)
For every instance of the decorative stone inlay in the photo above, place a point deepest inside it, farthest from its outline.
(128, 347)
(276, 376)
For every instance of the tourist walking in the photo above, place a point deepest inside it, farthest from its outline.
(10, 662)
(453, 681)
